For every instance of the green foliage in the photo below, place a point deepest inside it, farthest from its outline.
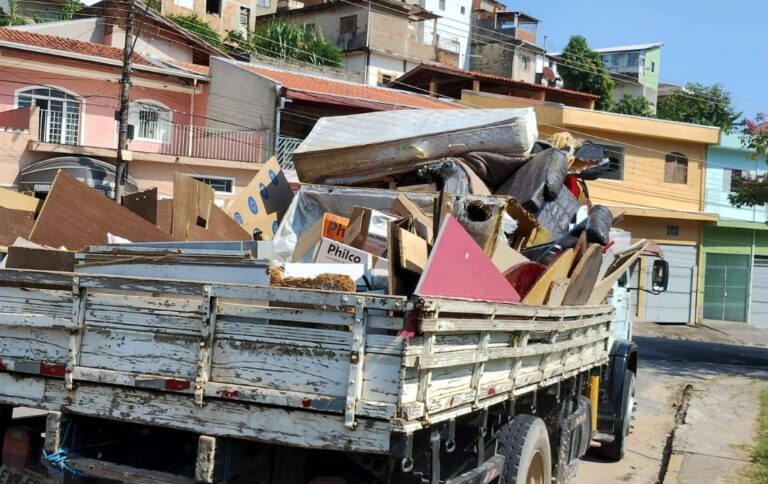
(754, 190)
(197, 26)
(11, 17)
(758, 471)
(634, 105)
(582, 70)
(699, 104)
(287, 41)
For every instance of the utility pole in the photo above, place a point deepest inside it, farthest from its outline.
(123, 155)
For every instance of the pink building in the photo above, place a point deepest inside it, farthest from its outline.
(59, 97)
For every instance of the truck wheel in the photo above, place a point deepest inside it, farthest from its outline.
(524, 443)
(615, 450)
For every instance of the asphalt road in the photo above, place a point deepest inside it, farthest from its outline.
(665, 366)
(653, 350)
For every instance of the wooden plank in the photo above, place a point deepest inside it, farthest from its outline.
(75, 215)
(224, 226)
(504, 257)
(40, 259)
(557, 292)
(557, 270)
(191, 204)
(195, 233)
(205, 463)
(165, 215)
(15, 223)
(123, 473)
(604, 286)
(413, 251)
(14, 200)
(447, 325)
(423, 223)
(456, 252)
(143, 204)
(584, 277)
(523, 275)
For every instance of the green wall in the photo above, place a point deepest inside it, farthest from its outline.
(646, 77)
(727, 240)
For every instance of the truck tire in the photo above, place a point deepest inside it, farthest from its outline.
(615, 450)
(524, 443)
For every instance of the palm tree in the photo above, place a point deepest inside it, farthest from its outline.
(12, 17)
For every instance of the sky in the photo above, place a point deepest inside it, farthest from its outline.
(705, 41)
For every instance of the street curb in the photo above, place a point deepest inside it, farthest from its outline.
(673, 469)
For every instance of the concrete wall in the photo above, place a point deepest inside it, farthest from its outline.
(229, 16)
(86, 30)
(327, 20)
(160, 175)
(721, 159)
(452, 25)
(239, 98)
(503, 60)
(156, 44)
(727, 240)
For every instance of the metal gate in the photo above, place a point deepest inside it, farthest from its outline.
(758, 314)
(726, 287)
(676, 304)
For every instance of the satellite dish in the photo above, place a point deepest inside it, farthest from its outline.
(549, 74)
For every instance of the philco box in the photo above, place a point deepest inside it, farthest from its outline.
(333, 251)
(367, 230)
(330, 226)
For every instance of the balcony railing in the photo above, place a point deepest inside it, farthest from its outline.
(164, 138)
(716, 201)
(284, 152)
(352, 40)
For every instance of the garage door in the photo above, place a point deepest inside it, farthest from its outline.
(726, 287)
(758, 315)
(676, 304)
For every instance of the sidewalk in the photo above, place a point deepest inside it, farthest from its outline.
(713, 443)
(726, 332)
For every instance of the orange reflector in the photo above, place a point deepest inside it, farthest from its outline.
(20, 447)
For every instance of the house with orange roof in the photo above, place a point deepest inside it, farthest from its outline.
(59, 100)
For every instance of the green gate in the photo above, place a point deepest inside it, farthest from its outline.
(726, 286)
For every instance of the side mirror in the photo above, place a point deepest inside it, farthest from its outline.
(660, 275)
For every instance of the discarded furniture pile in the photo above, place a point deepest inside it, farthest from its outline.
(466, 204)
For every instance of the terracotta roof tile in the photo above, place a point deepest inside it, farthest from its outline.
(67, 45)
(316, 84)
(196, 68)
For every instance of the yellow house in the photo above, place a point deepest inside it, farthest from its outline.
(656, 180)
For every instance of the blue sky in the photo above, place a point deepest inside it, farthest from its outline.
(707, 41)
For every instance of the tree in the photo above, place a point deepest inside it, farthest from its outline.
(12, 17)
(699, 104)
(287, 41)
(68, 11)
(753, 190)
(582, 70)
(197, 26)
(634, 105)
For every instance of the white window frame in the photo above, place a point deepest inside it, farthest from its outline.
(197, 177)
(134, 118)
(78, 97)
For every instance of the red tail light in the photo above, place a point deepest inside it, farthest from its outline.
(21, 447)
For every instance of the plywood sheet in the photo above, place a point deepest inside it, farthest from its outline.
(165, 215)
(261, 205)
(18, 201)
(221, 224)
(584, 277)
(557, 292)
(459, 268)
(143, 204)
(558, 269)
(196, 233)
(13, 224)
(619, 266)
(191, 204)
(75, 215)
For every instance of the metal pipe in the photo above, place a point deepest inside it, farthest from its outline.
(751, 274)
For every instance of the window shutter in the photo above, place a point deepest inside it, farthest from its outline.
(669, 170)
(682, 170)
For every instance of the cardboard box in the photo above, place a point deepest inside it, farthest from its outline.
(367, 230)
(333, 251)
(261, 205)
(330, 226)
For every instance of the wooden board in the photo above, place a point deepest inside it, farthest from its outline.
(404, 207)
(557, 292)
(522, 276)
(18, 201)
(400, 282)
(261, 205)
(526, 225)
(579, 249)
(615, 271)
(584, 277)
(13, 224)
(557, 270)
(413, 251)
(75, 215)
(40, 259)
(165, 214)
(224, 226)
(191, 204)
(196, 233)
(143, 204)
(457, 254)
(504, 257)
